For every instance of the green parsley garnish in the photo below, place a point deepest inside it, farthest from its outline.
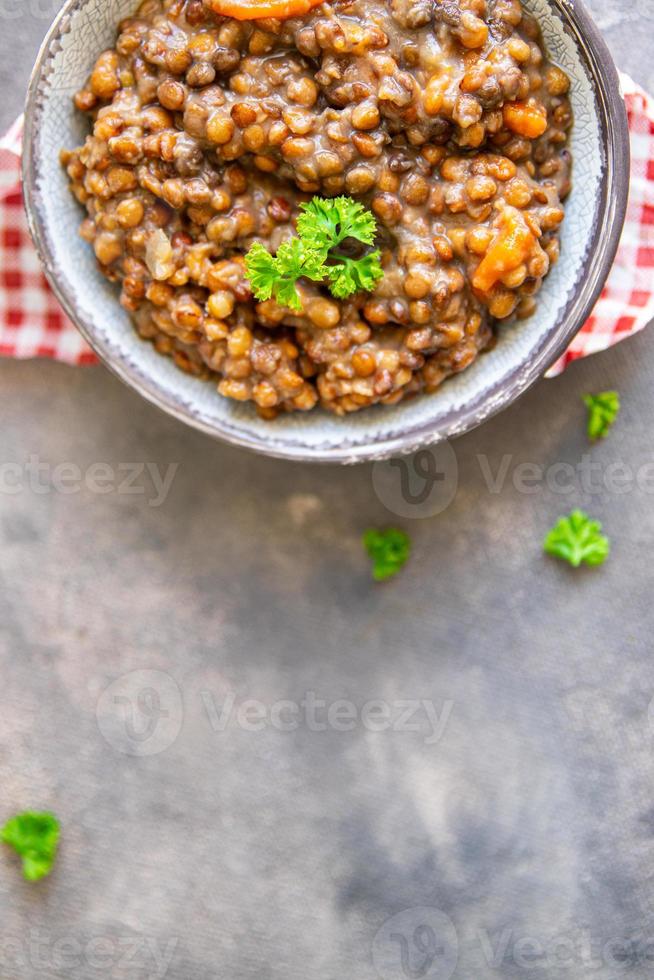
(578, 539)
(602, 412)
(34, 836)
(326, 222)
(323, 225)
(277, 276)
(349, 276)
(389, 551)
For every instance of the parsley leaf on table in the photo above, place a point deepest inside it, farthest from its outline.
(576, 539)
(603, 409)
(322, 226)
(389, 551)
(34, 836)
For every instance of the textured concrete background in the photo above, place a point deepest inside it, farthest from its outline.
(508, 832)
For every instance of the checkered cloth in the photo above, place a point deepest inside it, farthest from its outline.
(626, 304)
(32, 324)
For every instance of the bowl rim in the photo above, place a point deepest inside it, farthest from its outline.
(612, 206)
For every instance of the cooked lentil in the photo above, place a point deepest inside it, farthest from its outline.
(444, 117)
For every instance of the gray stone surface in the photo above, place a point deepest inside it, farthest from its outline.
(200, 839)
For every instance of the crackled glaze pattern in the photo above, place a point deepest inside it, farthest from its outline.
(522, 353)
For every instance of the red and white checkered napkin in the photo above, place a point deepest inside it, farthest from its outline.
(32, 324)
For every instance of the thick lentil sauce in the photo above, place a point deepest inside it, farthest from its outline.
(443, 117)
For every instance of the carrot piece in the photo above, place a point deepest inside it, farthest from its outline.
(512, 245)
(257, 9)
(525, 118)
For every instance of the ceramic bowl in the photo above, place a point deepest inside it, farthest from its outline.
(590, 233)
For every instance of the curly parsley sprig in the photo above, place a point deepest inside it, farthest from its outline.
(326, 222)
(35, 837)
(276, 275)
(389, 550)
(603, 410)
(578, 539)
(323, 225)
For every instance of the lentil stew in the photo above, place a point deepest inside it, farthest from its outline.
(443, 117)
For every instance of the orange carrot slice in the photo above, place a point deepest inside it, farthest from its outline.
(257, 9)
(512, 245)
